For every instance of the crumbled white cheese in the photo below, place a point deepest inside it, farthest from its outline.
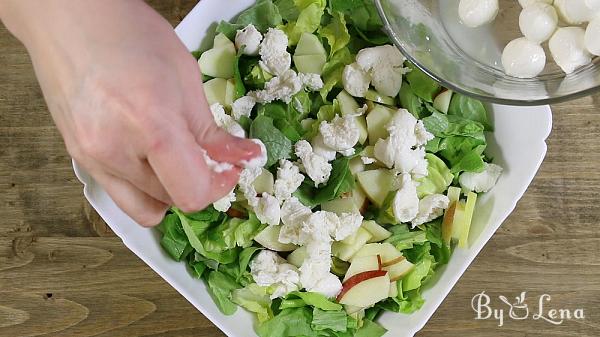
(246, 184)
(223, 204)
(270, 270)
(258, 161)
(319, 147)
(356, 81)
(568, 49)
(288, 180)
(341, 134)
(312, 82)
(242, 107)
(223, 120)
(293, 215)
(367, 160)
(406, 201)
(482, 181)
(267, 210)
(315, 272)
(214, 165)
(317, 167)
(385, 65)
(348, 225)
(273, 52)
(430, 208)
(249, 38)
(403, 150)
(321, 225)
(475, 13)
(281, 87)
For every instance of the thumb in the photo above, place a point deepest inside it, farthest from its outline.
(224, 147)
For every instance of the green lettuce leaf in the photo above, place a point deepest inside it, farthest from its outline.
(277, 144)
(308, 21)
(370, 329)
(263, 15)
(438, 177)
(411, 102)
(421, 84)
(361, 13)
(254, 298)
(333, 69)
(289, 322)
(219, 289)
(315, 299)
(471, 109)
(288, 9)
(340, 181)
(329, 320)
(241, 232)
(403, 238)
(335, 33)
(422, 269)
(173, 239)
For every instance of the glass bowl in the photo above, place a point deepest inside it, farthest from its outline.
(467, 60)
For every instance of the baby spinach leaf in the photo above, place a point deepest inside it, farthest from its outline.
(421, 84)
(469, 108)
(277, 144)
(340, 181)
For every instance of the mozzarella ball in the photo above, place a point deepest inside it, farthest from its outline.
(573, 12)
(475, 13)
(538, 22)
(525, 3)
(593, 4)
(523, 58)
(592, 36)
(568, 49)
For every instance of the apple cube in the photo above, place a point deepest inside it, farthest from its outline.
(442, 101)
(269, 238)
(376, 97)
(309, 44)
(378, 233)
(365, 289)
(376, 184)
(297, 257)
(351, 310)
(215, 91)
(218, 62)
(377, 119)
(362, 264)
(264, 183)
(348, 105)
(310, 64)
(344, 251)
(339, 206)
(221, 40)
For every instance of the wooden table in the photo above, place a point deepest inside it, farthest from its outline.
(63, 273)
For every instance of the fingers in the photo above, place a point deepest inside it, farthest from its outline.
(141, 207)
(223, 147)
(140, 174)
(191, 184)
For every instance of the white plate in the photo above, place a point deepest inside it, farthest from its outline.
(518, 144)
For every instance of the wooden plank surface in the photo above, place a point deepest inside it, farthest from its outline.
(63, 273)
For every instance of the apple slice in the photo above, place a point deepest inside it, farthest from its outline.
(218, 62)
(345, 252)
(351, 310)
(376, 184)
(387, 251)
(467, 218)
(348, 105)
(442, 101)
(376, 97)
(310, 64)
(362, 264)
(393, 289)
(269, 238)
(365, 289)
(448, 222)
(356, 165)
(215, 90)
(221, 40)
(297, 257)
(264, 182)
(393, 261)
(236, 213)
(458, 223)
(378, 233)
(398, 270)
(309, 44)
(340, 205)
(377, 119)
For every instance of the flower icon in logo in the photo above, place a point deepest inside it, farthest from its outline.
(518, 310)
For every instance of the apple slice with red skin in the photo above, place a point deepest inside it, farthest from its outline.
(393, 261)
(365, 289)
(399, 270)
(236, 213)
(362, 264)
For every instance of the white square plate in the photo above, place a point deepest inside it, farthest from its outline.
(518, 144)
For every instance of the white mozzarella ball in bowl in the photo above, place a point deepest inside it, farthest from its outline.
(592, 36)
(523, 58)
(476, 13)
(538, 21)
(573, 12)
(568, 48)
(525, 3)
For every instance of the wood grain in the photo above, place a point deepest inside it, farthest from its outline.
(63, 273)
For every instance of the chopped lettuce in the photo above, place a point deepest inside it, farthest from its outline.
(219, 289)
(289, 322)
(336, 33)
(254, 298)
(308, 21)
(314, 299)
(422, 85)
(438, 177)
(329, 320)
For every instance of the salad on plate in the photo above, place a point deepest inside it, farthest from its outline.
(368, 180)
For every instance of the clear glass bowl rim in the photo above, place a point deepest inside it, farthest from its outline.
(456, 88)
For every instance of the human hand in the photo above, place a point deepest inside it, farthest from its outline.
(127, 98)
